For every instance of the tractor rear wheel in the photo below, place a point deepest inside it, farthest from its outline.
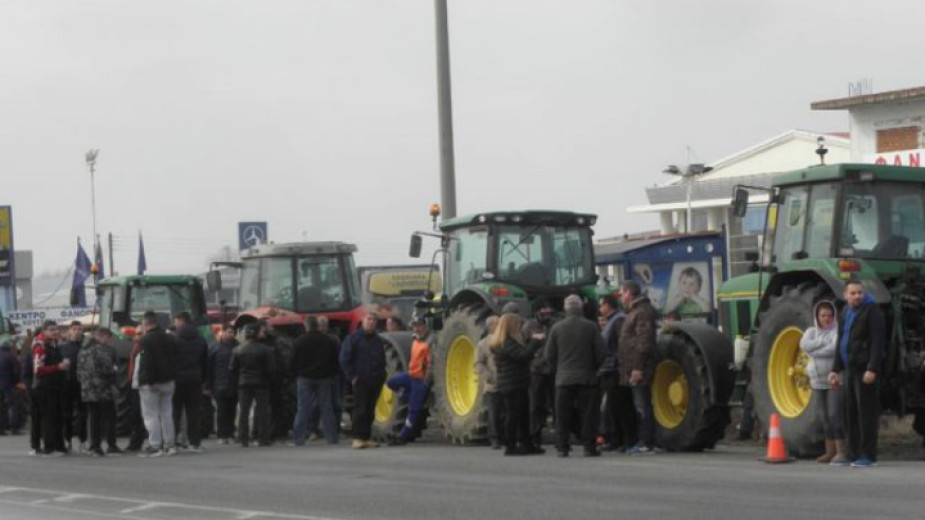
(686, 418)
(458, 393)
(781, 382)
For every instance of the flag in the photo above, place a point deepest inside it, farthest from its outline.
(82, 269)
(98, 260)
(142, 261)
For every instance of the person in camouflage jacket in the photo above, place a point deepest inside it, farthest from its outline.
(96, 371)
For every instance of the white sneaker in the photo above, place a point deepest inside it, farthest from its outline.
(170, 452)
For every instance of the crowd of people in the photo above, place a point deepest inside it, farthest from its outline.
(593, 377)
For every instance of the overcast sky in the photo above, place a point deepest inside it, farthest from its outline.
(319, 116)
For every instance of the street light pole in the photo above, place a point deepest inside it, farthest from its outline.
(445, 113)
(90, 157)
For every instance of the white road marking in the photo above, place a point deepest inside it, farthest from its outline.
(137, 506)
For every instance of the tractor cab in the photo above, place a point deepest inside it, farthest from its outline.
(284, 282)
(124, 299)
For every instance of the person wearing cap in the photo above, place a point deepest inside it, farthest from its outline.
(575, 351)
(50, 368)
(362, 360)
(413, 383)
(252, 366)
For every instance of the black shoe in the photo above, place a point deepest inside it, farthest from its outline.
(562, 454)
(245, 444)
(592, 453)
(514, 452)
(533, 450)
(495, 445)
(114, 450)
(132, 448)
(96, 452)
(397, 441)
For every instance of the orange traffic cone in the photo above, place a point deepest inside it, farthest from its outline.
(777, 452)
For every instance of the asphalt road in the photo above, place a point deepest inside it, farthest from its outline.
(436, 480)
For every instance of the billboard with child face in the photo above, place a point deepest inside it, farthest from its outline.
(679, 287)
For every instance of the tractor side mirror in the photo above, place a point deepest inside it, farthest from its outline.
(415, 251)
(740, 202)
(214, 281)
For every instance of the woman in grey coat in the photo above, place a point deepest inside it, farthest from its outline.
(820, 344)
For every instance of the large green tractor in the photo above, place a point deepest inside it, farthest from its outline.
(123, 300)
(489, 261)
(826, 224)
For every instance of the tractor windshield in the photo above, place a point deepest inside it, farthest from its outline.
(124, 305)
(544, 256)
(320, 283)
(883, 220)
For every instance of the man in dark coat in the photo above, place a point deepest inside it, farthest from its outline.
(252, 366)
(574, 351)
(314, 366)
(9, 380)
(619, 413)
(50, 368)
(636, 358)
(222, 385)
(861, 346)
(542, 381)
(362, 359)
(96, 370)
(74, 412)
(192, 371)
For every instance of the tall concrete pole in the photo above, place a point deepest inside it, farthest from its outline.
(445, 114)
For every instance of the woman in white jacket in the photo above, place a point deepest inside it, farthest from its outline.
(820, 344)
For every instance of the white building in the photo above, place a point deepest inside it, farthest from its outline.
(886, 128)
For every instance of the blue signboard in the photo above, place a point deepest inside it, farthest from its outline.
(251, 234)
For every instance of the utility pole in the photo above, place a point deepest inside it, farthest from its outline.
(90, 157)
(445, 113)
(112, 269)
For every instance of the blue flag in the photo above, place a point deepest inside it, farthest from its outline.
(81, 273)
(142, 261)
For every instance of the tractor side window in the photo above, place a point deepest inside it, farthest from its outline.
(468, 255)
(791, 225)
(821, 221)
(250, 284)
(860, 231)
(276, 282)
(908, 220)
(573, 252)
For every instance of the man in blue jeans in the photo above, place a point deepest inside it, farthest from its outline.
(315, 366)
(636, 357)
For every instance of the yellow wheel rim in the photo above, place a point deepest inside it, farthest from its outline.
(385, 404)
(670, 394)
(788, 381)
(462, 383)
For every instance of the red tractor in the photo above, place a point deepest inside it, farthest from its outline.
(285, 283)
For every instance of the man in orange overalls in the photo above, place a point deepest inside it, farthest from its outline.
(413, 383)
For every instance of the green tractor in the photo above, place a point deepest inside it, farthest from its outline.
(826, 224)
(122, 301)
(491, 260)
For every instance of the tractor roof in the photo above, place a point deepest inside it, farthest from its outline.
(157, 279)
(850, 171)
(299, 249)
(523, 218)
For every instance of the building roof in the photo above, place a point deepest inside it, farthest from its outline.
(893, 96)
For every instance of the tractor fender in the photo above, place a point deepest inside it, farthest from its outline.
(872, 284)
(401, 340)
(717, 351)
(478, 295)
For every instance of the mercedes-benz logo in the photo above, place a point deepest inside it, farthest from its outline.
(252, 236)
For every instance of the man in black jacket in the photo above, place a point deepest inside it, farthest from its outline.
(223, 387)
(74, 412)
(192, 368)
(156, 378)
(252, 365)
(362, 359)
(619, 413)
(314, 365)
(574, 351)
(861, 346)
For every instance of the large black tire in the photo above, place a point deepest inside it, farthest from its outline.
(780, 326)
(392, 410)
(687, 418)
(458, 392)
